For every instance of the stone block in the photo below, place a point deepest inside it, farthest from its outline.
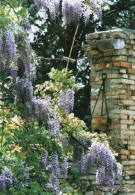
(132, 127)
(132, 42)
(110, 44)
(131, 59)
(94, 78)
(131, 172)
(129, 92)
(132, 36)
(122, 64)
(132, 167)
(125, 152)
(92, 36)
(133, 65)
(92, 53)
(106, 59)
(131, 71)
(127, 132)
(123, 71)
(132, 107)
(132, 77)
(126, 102)
(127, 81)
(113, 76)
(86, 47)
(132, 157)
(129, 182)
(128, 46)
(119, 58)
(132, 147)
(118, 35)
(132, 152)
(126, 122)
(132, 138)
(131, 53)
(133, 47)
(123, 127)
(124, 136)
(132, 87)
(124, 76)
(100, 66)
(96, 83)
(123, 157)
(128, 162)
(132, 143)
(123, 116)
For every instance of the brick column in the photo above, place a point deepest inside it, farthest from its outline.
(113, 53)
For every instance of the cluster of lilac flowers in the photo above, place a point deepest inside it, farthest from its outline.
(7, 48)
(71, 10)
(56, 169)
(41, 108)
(107, 168)
(9, 45)
(53, 7)
(96, 8)
(6, 179)
(44, 159)
(66, 101)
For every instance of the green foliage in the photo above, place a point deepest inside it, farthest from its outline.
(23, 143)
(59, 81)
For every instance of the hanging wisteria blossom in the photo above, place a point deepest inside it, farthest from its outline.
(9, 45)
(53, 7)
(107, 168)
(6, 179)
(72, 10)
(66, 101)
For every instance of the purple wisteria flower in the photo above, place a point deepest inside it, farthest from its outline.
(66, 101)
(41, 107)
(71, 10)
(64, 168)
(107, 168)
(44, 159)
(9, 50)
(6, 179)
(53, 7)
(96, 8)
(55, 172)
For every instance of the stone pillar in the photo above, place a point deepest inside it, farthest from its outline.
(113, 52)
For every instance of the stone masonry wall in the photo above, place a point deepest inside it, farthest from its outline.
(113, 52)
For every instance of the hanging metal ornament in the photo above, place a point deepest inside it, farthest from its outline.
(101, 123)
